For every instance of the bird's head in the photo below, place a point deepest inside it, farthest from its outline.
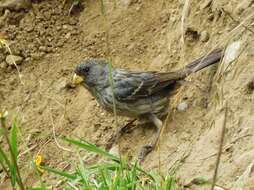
(90, 72)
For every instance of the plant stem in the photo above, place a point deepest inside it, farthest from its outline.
(220, 149)
(14, 160)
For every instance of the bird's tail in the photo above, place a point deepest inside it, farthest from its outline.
(203, 62)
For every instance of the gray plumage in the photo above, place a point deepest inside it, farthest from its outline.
(137, 94)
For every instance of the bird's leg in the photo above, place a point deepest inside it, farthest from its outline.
(146, 149)
(119, 133)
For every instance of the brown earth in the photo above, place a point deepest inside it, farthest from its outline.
(143, 35)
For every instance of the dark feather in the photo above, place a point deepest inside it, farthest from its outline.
(134, 85)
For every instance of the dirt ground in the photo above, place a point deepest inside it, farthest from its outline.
(142, 35)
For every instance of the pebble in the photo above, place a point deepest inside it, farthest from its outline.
(60, 43)
(68, 35)
(10, 58)
(43, 48)
(29, 28)
(182, 106)
(65, 27)
(3, 65)
(36, 56)
(204, 36)
(231, 53)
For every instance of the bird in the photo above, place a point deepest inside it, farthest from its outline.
(137, 94)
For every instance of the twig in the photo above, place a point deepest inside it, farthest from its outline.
(184, 15)
(13, 157)
(71, 185)
(54, 134)
(27, 150)
(110, 76)
(226, 147)
(13, 61)
(220, 148)
(44, 145)
(241, 181)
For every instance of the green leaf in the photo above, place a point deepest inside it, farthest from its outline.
(4, 158)
(200, 181)
(59, 172)
(13, 171)
(13, 139)
(92, 148)
(76, 2)
(169, 183)
(83, 173)
(1, 131)
(116, 181)
(104, 175)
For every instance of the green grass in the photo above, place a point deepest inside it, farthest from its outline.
(112, 174)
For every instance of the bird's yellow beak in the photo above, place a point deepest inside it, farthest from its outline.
(77, 79)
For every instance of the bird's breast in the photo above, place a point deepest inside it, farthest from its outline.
(156, 104)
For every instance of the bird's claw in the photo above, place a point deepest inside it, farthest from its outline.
(145, 150)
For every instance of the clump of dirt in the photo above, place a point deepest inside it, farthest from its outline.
(39, 32)
(142, 35)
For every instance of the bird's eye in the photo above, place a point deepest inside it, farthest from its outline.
(86, 69)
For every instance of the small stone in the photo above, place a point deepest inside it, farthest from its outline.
(231, 53)
(47, 15)
(73, 21)
(12, 81)
(182, 106)
(28, 59)
(204, 36)
(49, 49)
(138, 8)
(43, 48)
(68, 35)
(65, 26)
(12, 59)
(60, 43)
(36, 56)
(3, 65)
(210, 17)
(58, 28)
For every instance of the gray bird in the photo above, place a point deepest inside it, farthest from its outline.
(136, 94)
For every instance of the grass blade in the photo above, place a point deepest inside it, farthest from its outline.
(83, 173)
(4, 158)
(59, 172)
(13, 171)
(36, 188)
(13, 139)
(92, 148)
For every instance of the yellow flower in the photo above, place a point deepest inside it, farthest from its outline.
(38, 161)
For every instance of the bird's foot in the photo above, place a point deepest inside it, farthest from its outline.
(145, 150)
(119, 132)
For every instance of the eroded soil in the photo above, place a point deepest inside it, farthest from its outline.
(143, 35)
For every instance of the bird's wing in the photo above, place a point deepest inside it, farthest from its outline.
(133, 85)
